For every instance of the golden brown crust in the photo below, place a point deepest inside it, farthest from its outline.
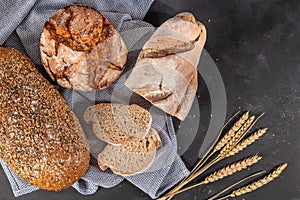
(41, 139)
(81, 50)
(79, 27)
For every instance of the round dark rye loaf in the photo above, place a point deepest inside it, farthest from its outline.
(41, 139)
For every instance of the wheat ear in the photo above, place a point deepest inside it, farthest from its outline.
(231, 132)
(246, 142)
(233, 141)
(218, 145)
(209, 153)
(235, 184)
(226, 149)
(261, 182)
(199, 168)
(200, 162)
(232, 168)
(230, 145)
(223, 172)
(257, 184)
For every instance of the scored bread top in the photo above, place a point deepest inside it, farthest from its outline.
(165, 73)
(133, 157)
(81, 50)
(116, 123)
(41, 139)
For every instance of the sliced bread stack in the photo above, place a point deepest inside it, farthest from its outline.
(132, 143)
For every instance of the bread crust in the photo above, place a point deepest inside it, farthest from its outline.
(41, 139)
(166, 70)
(81, 50)
(116, 123)
(132, 148)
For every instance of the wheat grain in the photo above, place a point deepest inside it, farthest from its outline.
(233, 141)
(231, 169)
(246, 142)
(261, 182)
(231, 132)
(222, 173)
(234, 185)
(209, 153)
(229, 145)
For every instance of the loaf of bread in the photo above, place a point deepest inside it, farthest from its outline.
(116, 123)
(132, 157)
(41, 139)
(166, 70)
(81, 50)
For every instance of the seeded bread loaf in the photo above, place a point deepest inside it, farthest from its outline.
(116, 123)
(166, 70)
(81, 50)
(132, 157)
(41, 139)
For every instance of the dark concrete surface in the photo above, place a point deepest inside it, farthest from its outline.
(256, 46)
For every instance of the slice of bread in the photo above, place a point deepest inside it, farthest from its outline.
(133, 157)
(116, 123)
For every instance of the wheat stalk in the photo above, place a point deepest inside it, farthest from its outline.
(252, 186)
(226, 150)
(223, 172)
(231, 132)
(246, 142)
(231, 169)
(209, 153)
(224, 140)
(227, 147)
(234, 140)
(261, 182)
(235, 184)
(201, 161)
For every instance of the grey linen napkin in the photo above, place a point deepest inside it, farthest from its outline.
(21, 23)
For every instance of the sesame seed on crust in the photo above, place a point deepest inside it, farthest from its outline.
(41, 139)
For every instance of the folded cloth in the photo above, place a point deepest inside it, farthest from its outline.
(21, 23)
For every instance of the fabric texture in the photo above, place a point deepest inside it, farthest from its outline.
(21, 23)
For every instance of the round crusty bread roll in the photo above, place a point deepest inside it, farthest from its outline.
(41, 139)
(81, 50)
